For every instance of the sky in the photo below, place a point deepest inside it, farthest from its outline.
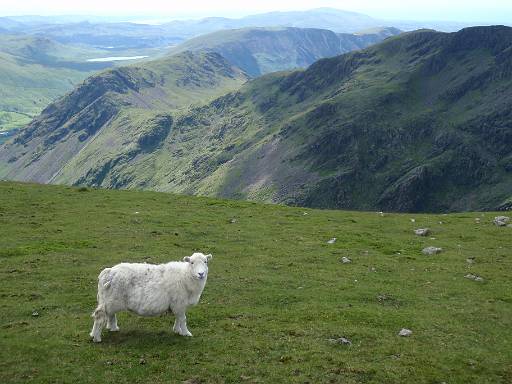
(447, 10)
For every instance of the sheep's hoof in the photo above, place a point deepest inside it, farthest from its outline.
(186, 334)
(116, 329)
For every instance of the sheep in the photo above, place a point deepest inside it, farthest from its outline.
(150, 290)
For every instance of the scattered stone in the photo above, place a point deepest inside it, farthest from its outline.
(431, 250)
(332, 241)
(35, 314)
(405, 332)
(477, 220)
(244, 378)
(232, 221)
(109, 362)
(345, 260)
(413, 220)
(382, 298)
(305, 214)
(136, 213)
(193, 380)
(341, 340)
(142, 361)
(440, 222)
(509, 225)
(422, 231)
(501, 221)
(470, 260)
(470, 276)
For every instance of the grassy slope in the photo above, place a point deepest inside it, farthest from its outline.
(275, 294)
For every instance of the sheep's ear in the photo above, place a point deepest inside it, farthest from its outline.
(187, 259)
(209, 257)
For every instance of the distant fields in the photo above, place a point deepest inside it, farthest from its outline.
(276, 292)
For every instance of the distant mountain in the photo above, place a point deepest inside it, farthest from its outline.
(419, 122)
(125, 35)
(99, 120)
(262, 50)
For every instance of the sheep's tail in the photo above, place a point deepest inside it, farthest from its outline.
(104, 283)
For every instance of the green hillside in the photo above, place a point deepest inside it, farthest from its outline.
(118, 115)
(420, 122)
(262, 50)
(276, 295)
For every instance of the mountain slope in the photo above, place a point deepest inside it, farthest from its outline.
(420, 122)
(262, 50)
(123, 111)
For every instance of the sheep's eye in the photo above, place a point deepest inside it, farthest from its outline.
(192, 262)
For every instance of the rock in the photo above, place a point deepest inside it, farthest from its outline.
(332, 241)
(142, 361)
(405, 332)
(501, 221)
(341, 340)
(345, 260)
(35, 314)
(470, 276)
(470, 260)
(431, 250)
(232, 221)
(422, 231)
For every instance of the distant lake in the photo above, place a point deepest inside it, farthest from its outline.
(4, 135)
(116, 58)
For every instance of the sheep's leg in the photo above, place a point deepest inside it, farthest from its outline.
(112, 323)
(99, 316)
(176, 327)
(181, 322)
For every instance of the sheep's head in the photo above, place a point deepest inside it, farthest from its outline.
(198, 265)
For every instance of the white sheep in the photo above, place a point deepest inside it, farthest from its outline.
(150, 290)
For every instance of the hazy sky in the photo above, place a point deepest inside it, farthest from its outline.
(453, 10)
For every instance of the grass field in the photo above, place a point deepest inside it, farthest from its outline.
(276, 292)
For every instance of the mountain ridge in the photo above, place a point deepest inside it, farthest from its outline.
(419, 122)
(263, 50)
